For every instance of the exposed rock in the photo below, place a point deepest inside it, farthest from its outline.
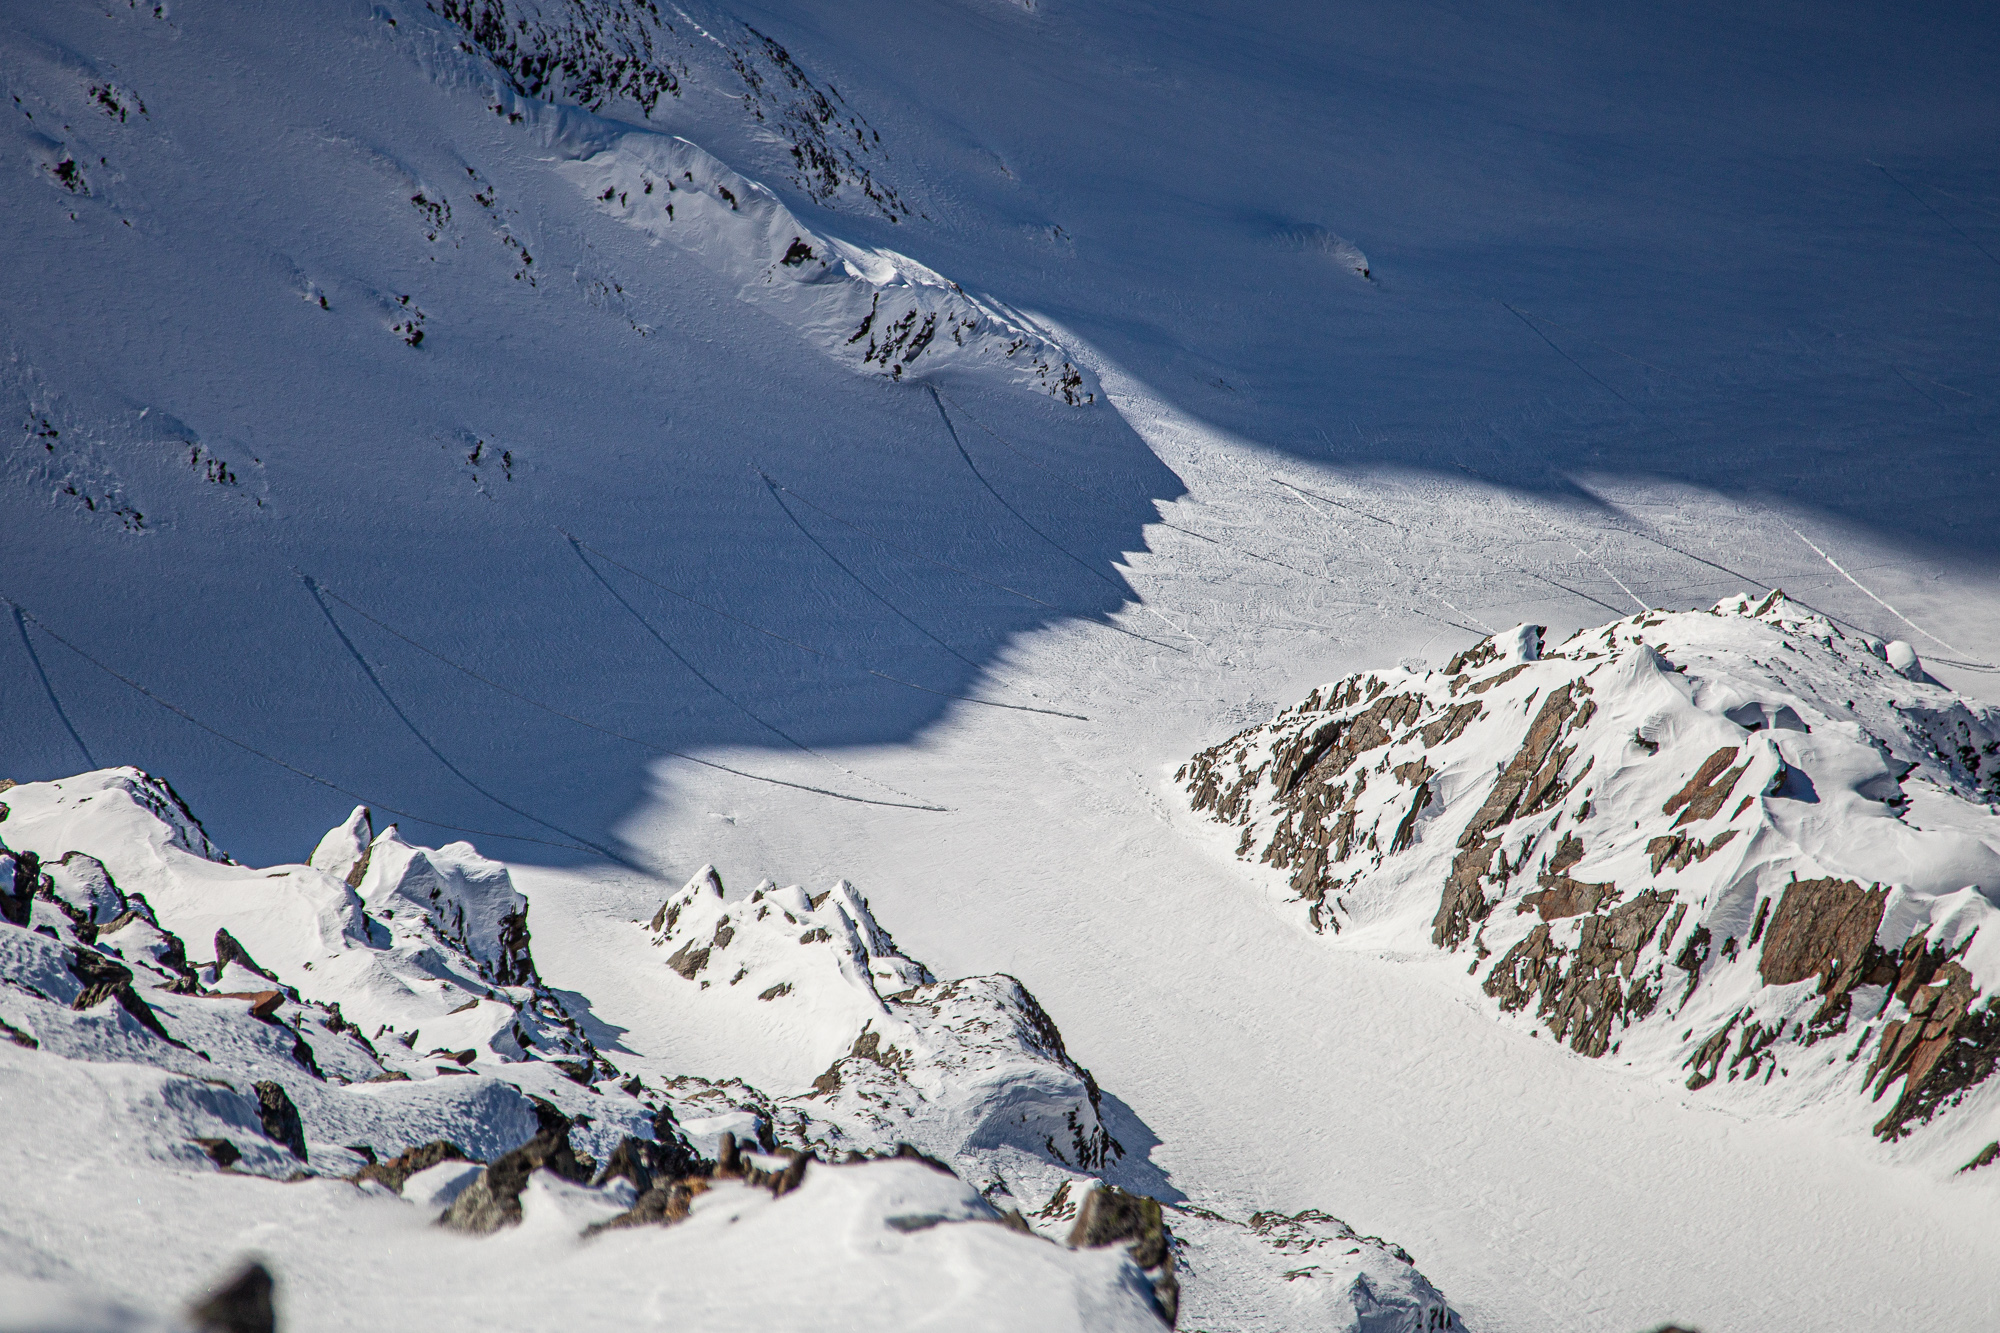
(406, 1164)
(1707, 789)
(1943, 1049)
(104, 980)
(494, 1199)
(228, 951)
(1825, 927)
(640, 1162)
(220, 1151)
(1582, 1003)
(1110, 1215)
(281, 1119)
(1603, 749)
(244, 1305)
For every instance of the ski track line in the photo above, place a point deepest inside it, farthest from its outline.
(618, 735)
(731, 699)
(294, 769)
(425, 741)
(808, 648)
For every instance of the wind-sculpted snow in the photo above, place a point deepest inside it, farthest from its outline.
(1740, 845)
(872, 309)
(377, 1018)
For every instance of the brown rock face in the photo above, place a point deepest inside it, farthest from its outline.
(1823, 927)
(1940, 1051)
(1581, 1002)
(404, 1165)
(1530, 782)
(1707, 789)
(494, 1199)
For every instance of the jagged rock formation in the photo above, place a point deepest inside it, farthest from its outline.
(973, 1071)
(1709, 841)
(943, 1102)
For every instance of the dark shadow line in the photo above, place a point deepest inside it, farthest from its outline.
(1567, 357)
(585, 722)
(894, 610)
(424, 740)
(808, 648)
(1966, 236)
(1124, 593)
(728, 698)
(1100, 494)
(49, 689)
(294, 769)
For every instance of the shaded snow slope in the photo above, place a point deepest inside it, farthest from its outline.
(1686, 841)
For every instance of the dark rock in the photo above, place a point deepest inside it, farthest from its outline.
(406, 1164)
(281, 1119)
(104, 980)
(220, 1151)
(664, 1204)
(228, 951)
(493, 1200)
(1707, 789)
(638, 1161)
(20, 877)
(688, 960)
(1941, 1051)
(727, 1162)
(244, 1305)
(910, 1153)
(1825, 927)
(671, 1148)
(1111, 1215)
(1987, 1156)
(1581, 1002)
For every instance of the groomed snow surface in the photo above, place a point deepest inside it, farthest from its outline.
(757, 503)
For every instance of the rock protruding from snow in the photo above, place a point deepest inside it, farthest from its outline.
(973, 1071)
(343, 852)
(872, 309)
(1112, 1216)
(1709, 841)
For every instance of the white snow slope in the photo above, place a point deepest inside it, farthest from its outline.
(370, 453)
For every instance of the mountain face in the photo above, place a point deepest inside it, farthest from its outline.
(373, 1029)
(574, 491)
(1740, 847)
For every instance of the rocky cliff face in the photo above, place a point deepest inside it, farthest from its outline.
(1738, 844)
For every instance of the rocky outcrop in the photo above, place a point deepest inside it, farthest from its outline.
(403, 1165)
(493, 1200)
(280, 1118)
(1111, 1216)
(1700, 862)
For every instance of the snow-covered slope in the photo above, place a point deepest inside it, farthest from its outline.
(1739, 846)
(368, 454)
(396, 1035)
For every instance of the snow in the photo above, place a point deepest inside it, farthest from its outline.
(1658, 306)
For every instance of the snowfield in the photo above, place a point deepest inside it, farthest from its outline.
(855, 666)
